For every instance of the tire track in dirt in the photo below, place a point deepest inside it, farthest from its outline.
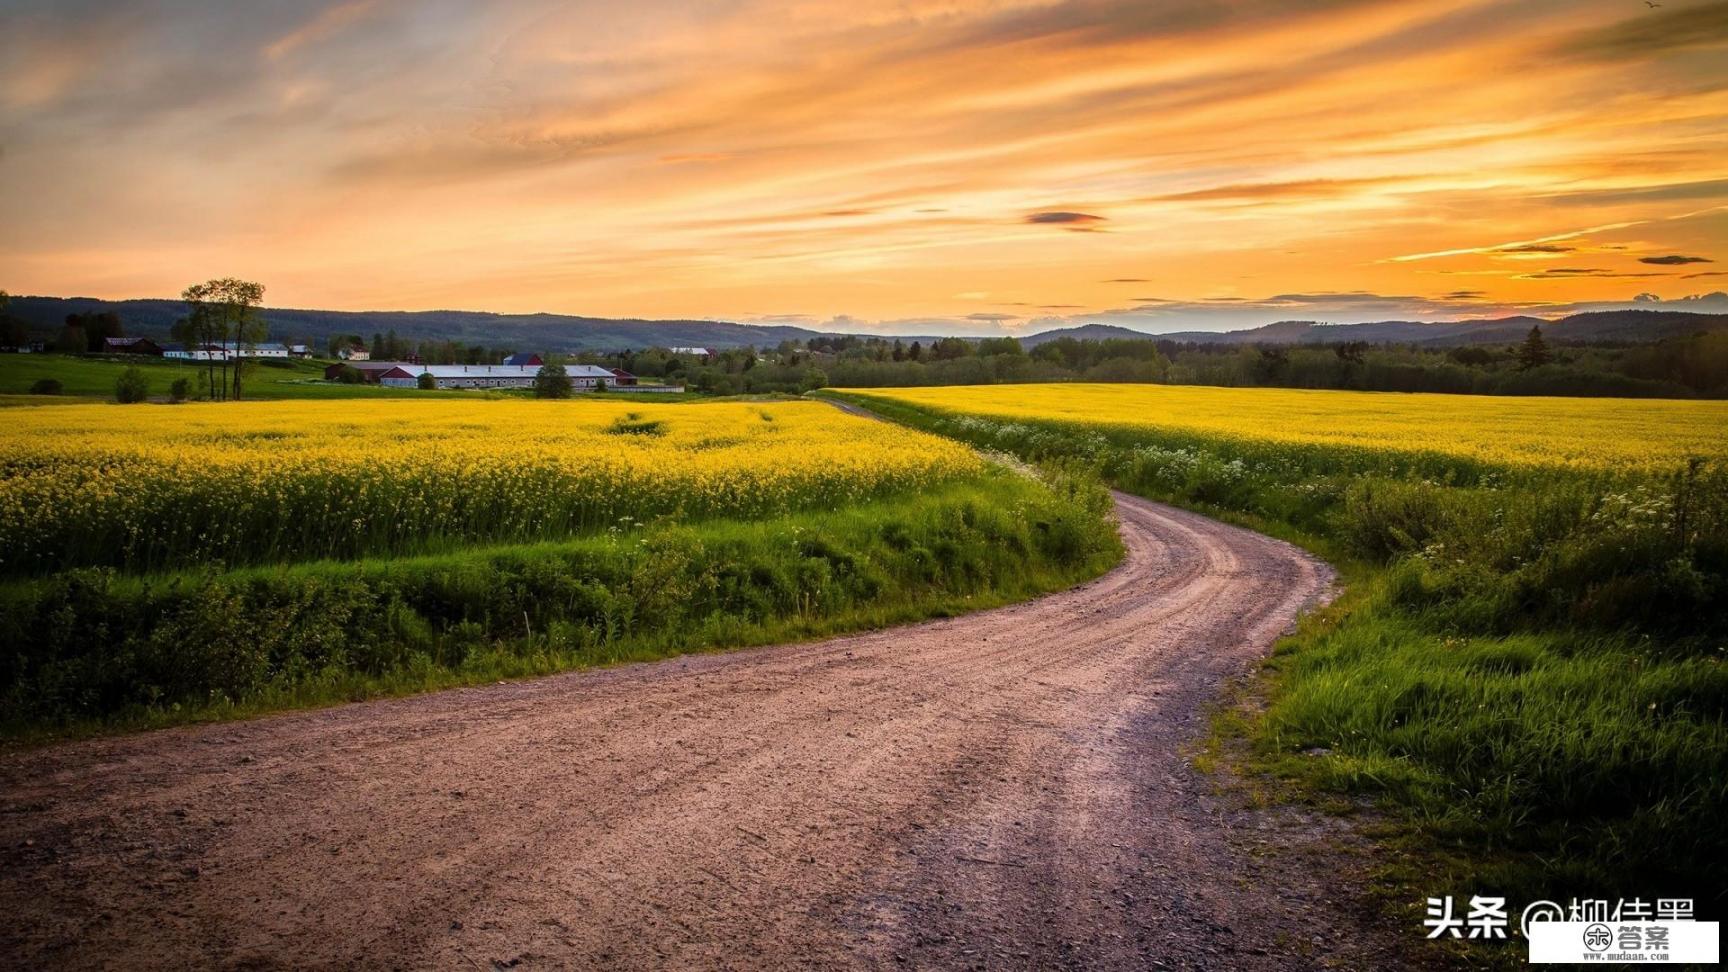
(1006, 789)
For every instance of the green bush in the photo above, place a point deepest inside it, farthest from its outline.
(46, 386)
(552, 381)
(180, 390)
(133, 386)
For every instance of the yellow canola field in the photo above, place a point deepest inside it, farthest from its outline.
(1586, 433)
(154, 486)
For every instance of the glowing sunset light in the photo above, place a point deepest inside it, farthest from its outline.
(875, 163)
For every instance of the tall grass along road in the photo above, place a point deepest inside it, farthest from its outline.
(1008, 787)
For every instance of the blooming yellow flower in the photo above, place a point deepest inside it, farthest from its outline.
(1582, 433)
(266, 481)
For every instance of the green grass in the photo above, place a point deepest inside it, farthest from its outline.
(94, 650)
(94, 377)
(1526, 673)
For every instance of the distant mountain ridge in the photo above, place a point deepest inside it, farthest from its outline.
(570, 333)
(1636, 326)
(535, 332)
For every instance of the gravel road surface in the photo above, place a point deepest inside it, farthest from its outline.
(1010, 789)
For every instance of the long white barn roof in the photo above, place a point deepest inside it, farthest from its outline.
(502, 371)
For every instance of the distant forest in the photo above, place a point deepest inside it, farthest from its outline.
(1640, 354)
(1694, 366)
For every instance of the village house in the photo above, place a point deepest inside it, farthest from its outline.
(369, 370)
(354, 352)
(131, 345)
(525, 359)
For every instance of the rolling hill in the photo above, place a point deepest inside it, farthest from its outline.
(568, 333)
(539, 332)
(1623, 326)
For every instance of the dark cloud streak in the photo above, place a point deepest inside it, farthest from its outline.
(1652, 34)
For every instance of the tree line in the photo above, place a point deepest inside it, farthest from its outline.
(387, 346)
(1693, 366)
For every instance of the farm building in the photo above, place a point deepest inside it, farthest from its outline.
(354, 352)
(703, 353)
(225, 351)
(590, 376)
(370, 370)
(197, 352)
(131, 345)
(582, 377)
(525, 360)
(255, 350)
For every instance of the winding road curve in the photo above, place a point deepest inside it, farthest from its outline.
(1003, 790)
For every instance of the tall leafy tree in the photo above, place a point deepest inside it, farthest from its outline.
(224, 312)
(96, 328)
(13, 332)
(72, 338)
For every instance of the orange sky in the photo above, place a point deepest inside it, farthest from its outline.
(916, 166)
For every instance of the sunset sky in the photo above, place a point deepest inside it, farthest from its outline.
(919, 166)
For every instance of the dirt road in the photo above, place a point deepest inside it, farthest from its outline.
(1009, 789)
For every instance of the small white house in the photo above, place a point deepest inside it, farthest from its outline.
(354, 352)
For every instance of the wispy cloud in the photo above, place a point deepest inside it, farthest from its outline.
(1517, 246)
(1573, 273)
(1537, 248)
(327, 22)
(1657, 30)
(1259, 191)
(674, 159)
(1067, 220)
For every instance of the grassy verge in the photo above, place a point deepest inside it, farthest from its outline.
(83, 377)
(92, 377)
(94, 650)
(1527, 672)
